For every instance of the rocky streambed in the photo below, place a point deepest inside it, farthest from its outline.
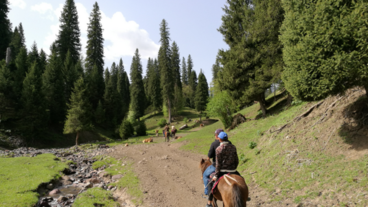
(77, 178)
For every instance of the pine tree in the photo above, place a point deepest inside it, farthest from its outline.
(146, 81)
(216, 68)
(53, 89)
(93, 80)
(189, 68)
(165, 67)
(184, 72)
(324, 47)
(193, 86)
(68, 39)
(95, 53)
(22, 69)
(112, 98)
(99, 114)
(43, 60)
(70, 76)
(178, 93)
(127, 88)
(33, 55)
(154, 86)
(201, 94)
(21, 33)
(76, 116)
(5, 28)
(138, 97)
(123, 90)
(16, 43)
(34, 116)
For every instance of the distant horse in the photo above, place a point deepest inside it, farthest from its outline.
(231, 190)
(167, 136)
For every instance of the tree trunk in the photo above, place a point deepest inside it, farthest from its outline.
(289, 99)
(76, 139)
(262, 104)
(169, 108)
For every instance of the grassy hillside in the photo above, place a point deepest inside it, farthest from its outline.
(316, 158)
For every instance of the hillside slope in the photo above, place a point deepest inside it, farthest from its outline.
(315, 158)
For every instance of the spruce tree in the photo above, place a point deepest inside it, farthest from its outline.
(112, 98)
(22, 69)
(193, 86)
(123, 90)
(189, 68)
(216, 68)
(324, 47)
(53, 89)
(5, 28)
(184, 72)
(95, 54)
(33, 55)
(175, 63)
(16, 43)
(68, 39)
(34, 116)
(165, 67)
(201, 94)
(21, 33)
(70, 76)
(138, 97)
(76, 120)
(154, 86)
(43, 60)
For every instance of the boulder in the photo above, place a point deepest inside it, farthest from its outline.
(54, 192)
(116, 177)
(62, 199)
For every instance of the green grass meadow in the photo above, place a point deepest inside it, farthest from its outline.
(21, 176)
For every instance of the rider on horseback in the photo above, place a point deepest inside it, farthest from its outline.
(226, 161)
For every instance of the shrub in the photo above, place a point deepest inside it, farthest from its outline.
(222, 106)
(126, 129)
(141, 128)
(252, 145)
(185, 120)
(162, 123)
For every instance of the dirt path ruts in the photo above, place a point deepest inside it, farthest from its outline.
(170, 176)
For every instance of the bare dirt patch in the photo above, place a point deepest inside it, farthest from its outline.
(168, 176)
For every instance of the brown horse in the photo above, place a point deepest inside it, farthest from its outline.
(232, 190)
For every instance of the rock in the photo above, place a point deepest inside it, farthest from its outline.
(94, 181)
(62, 199)
(50, 186)
(116, 177)
(54, 192)
(88, 185)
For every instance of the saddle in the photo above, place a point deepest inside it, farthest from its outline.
(213, 190)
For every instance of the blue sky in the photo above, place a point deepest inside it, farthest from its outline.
(132, 24)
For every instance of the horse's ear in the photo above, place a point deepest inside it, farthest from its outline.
(202, 161)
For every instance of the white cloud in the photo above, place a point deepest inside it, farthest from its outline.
(18, 3)
(44, 9)
(122, 37)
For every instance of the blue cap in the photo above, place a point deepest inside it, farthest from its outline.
(222, 135)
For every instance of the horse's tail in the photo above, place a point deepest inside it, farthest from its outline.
(237, 196)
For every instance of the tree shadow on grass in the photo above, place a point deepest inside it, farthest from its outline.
(354, 130)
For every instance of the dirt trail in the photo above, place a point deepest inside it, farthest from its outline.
(170, 176)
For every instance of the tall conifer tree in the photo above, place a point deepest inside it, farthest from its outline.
(77, 120)
(34, 115)
(201, 94)
(5, 28)
(184, 72)
(70, 76)
(123, 90)
(165, 67)
(95, 54)
(138, 97)
(68, 39)
(53, 89)
(21, 33)
(154, 86)
(178, 93)
(189, 68)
